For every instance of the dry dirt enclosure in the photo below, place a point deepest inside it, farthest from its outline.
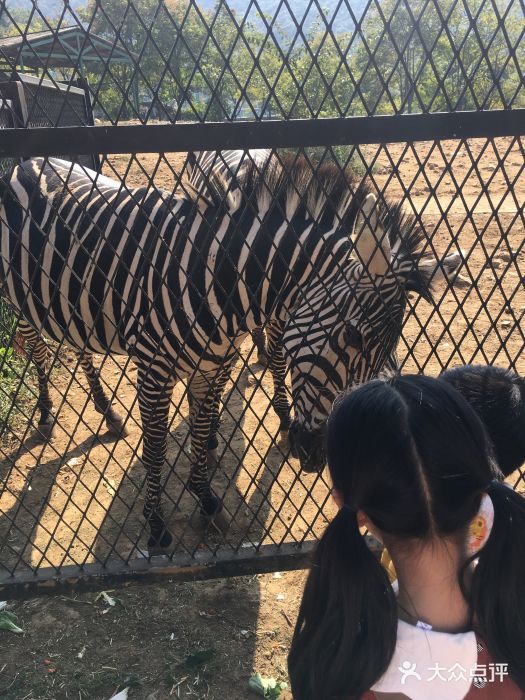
(78, 499)
(198, 640)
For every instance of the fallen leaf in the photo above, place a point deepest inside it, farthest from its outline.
(107, 599)
(8, 622)
(110, 486)
(267, 688)
(73, 462)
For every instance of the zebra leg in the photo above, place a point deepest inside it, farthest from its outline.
(260, 343)
(115, 424)
(38, 352)
(198, 386)
(220, 383)
(277, 367)
(154, 396)
(204, 401)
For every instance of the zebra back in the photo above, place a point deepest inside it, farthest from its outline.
(231, 166)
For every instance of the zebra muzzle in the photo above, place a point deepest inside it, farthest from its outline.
(308, 446)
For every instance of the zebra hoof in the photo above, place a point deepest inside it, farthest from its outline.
(159, 541)
(211, 505)
(160, 537)
(117, 428)
(45, 432)
(212, 459)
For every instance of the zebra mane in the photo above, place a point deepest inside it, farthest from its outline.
(323, 192)
(326, 193)
(407, 240)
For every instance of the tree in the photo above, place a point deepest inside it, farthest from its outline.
(435, 56)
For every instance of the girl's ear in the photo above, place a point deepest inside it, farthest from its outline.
(338, 498)
(362, 520)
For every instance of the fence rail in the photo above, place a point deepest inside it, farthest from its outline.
(153, 138)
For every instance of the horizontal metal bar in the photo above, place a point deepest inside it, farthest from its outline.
(180, 568)
(201, 566)
(161, 138)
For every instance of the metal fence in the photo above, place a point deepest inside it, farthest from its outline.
(422, 101)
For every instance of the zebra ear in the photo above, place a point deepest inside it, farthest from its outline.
(431, 272)
(371, 244)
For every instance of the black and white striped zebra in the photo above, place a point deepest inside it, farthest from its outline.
(175, 281)
(233, 167)
(202, 168)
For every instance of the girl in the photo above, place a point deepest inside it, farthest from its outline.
(411, 461)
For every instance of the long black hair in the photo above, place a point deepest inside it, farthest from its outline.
(414, 456)
(498, 397)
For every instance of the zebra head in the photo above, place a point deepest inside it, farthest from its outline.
(345, 329)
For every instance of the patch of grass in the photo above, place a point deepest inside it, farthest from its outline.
(17, 388)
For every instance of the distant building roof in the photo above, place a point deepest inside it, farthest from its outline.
(66, 47)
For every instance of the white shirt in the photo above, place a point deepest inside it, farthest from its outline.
(429, 665)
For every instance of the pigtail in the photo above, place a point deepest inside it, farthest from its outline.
(497, 594)
(345, 633)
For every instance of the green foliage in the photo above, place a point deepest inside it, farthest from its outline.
(17, 379)
(8, 622)
(6, 361)
(438, 56)
(193, 61)
(267, 688)
(21, 20)
(7, 322)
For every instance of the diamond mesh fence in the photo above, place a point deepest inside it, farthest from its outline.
(256, 172)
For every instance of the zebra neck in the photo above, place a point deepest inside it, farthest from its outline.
(292, 258)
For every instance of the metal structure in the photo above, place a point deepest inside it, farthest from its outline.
(39, 103)
(423, 100)
(64, 47)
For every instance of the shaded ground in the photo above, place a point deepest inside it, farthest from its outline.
(195, 640)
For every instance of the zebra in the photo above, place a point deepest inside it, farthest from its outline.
(230, 165)
(233, 166)
(174, 282)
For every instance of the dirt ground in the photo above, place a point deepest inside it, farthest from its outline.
(78, 499)
(163, 641)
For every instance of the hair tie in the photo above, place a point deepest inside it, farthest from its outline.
(481, 525)
(494, 482)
